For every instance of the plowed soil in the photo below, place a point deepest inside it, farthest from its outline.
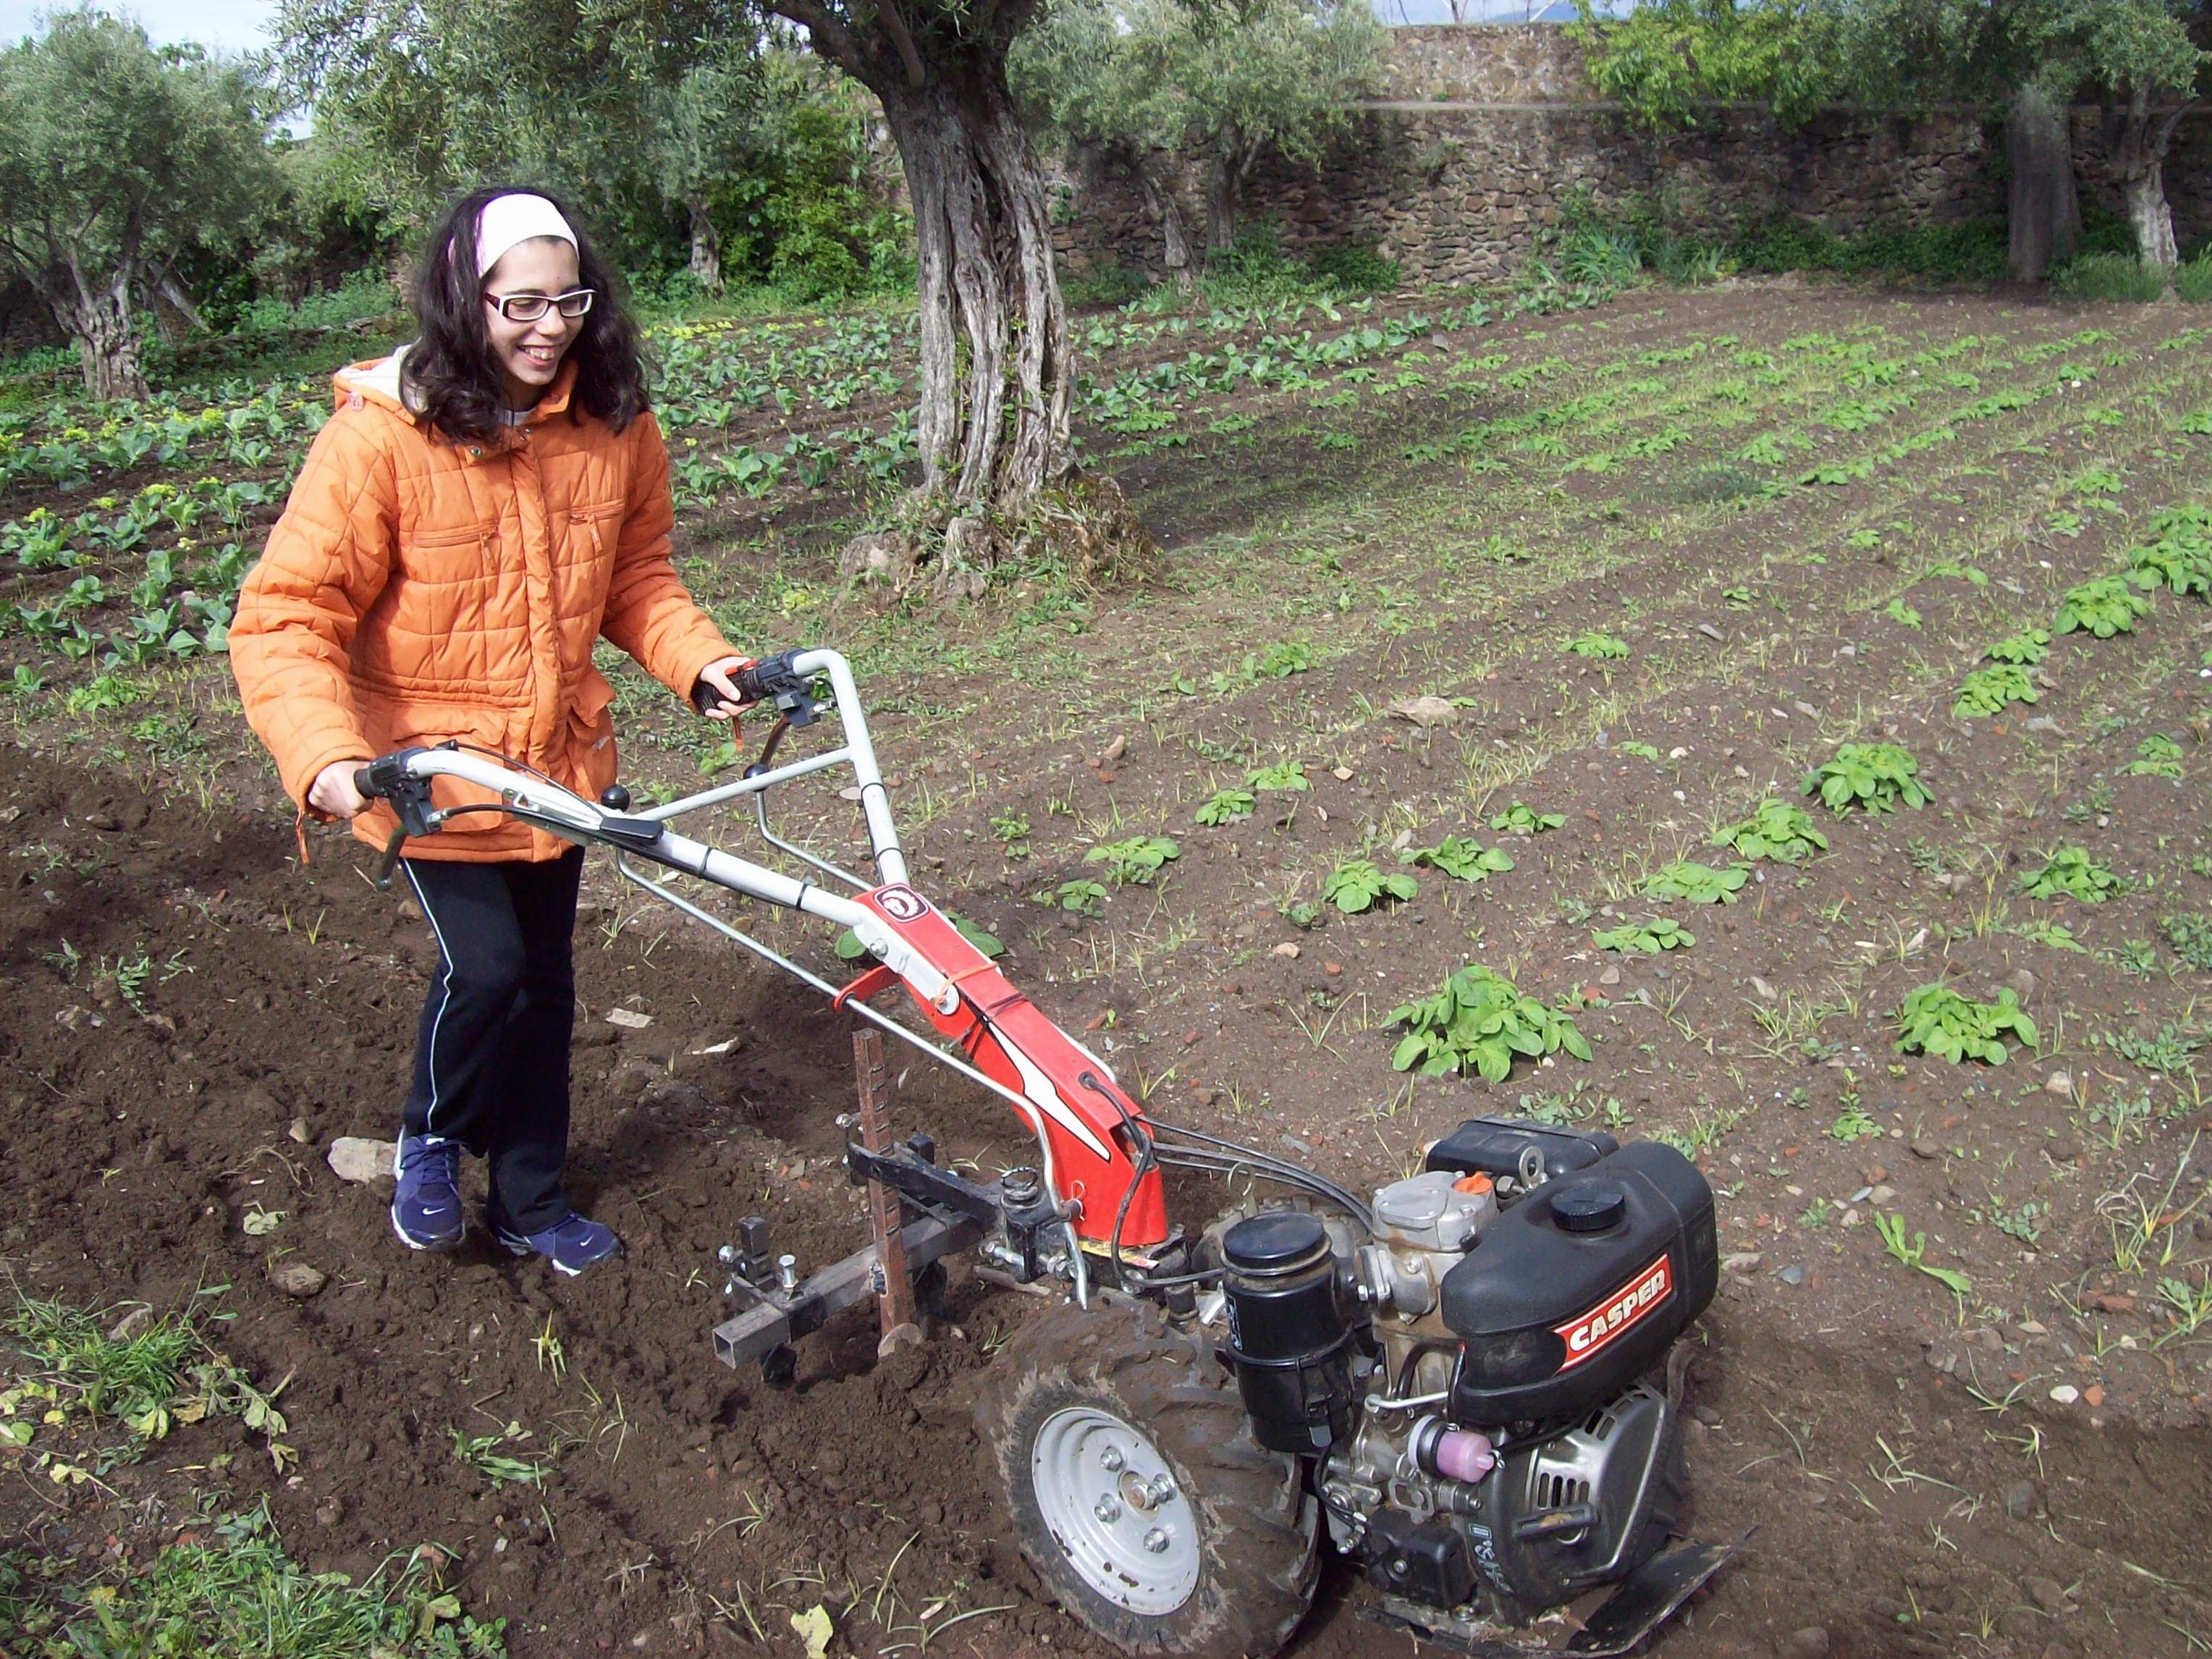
(2019, 1468)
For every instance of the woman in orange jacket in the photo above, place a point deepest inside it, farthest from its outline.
(482, 506)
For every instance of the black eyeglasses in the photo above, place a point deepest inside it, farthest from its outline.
(529, 307)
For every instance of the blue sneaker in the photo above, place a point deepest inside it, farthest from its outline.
(426, 1211)
(571, 1244)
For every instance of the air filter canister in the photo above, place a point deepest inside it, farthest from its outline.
(1290, 1331)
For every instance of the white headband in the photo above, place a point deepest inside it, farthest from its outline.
(507, 220)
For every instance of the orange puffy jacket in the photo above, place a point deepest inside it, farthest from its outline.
(417, 590)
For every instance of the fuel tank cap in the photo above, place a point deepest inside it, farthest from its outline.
(1590, 1207)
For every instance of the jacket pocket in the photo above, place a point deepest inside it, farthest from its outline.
(427, 724)
(591, 758)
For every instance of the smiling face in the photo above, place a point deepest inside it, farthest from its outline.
(529, 354)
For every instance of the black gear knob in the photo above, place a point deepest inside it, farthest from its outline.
(614, 797)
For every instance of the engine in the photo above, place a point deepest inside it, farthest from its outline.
(1478, 1380)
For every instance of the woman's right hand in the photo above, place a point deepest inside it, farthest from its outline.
(333, 793)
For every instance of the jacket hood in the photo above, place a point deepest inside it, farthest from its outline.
(377, 381)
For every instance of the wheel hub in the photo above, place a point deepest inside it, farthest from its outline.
(1117, 1513)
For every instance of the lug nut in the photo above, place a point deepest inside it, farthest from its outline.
(1107, 1510)
(1156, 1540)
(727, 1255)
(1111, 1460)
(1162, 1489)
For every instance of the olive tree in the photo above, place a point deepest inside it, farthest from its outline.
(1221, 82)
(1669, 58)
(116, 161)
(2149, 72)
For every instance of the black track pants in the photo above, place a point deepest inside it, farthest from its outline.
(491, 1059)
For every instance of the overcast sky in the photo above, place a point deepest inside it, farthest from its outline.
(238, 25)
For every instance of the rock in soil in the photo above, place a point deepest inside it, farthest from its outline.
(1810, 1643)
(2020, 1499)
(353, 1158)
(297, 1278)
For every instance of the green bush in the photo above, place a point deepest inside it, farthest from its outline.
(1116, 285)
(1357, 267)
(1974, 251)
(2193, 280)
(1603, 256)
(2108, 276)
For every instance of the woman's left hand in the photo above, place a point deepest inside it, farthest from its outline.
(722, 676)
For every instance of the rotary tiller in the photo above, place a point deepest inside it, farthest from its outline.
(1470, 1378)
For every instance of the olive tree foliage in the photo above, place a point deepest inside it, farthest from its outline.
(116, 161)
(1154, 79)
(423, 99)
(1669, 62)
(1669, 58)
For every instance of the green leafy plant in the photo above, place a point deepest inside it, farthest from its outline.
(2103, 607)
(2181, 556)
(1012, 829)
(1898, 611)
(1776, 830)
(1936, 1020)
(1085, 898)
(1225, 806)
(1852, 1125)
(1595, 644)
(1527, 820)
(1988, 689)
(1134, 859)
(2056, 935)
(1460, 859)
(2156, 756)
(1478, 1023)
(1642, 751)
(1649, 937)
(1914, 1255)
(1357, 884)
(2191, 938)
(2070, 872)
(2030, 645)
(1284, 776)
(1875, 777)
(1699, 883)
(481, 1453)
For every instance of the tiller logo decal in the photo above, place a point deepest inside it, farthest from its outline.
(1586, 1335)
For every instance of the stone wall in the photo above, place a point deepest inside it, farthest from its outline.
(1488, 132)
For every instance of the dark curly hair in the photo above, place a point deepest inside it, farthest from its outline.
(450, 374)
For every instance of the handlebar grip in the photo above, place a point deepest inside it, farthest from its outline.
(364, 784)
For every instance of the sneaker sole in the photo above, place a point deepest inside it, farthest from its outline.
(526, 1248)
(436, 1246)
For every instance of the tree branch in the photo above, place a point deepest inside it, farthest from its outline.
(902, 38)
(831, 37)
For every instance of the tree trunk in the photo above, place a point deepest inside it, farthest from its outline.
(2137, 141)
(987, 284)
(706, 246)
(998, 371)
(1221, 199)
(96, 315)
(2045, 207)
(1166, 209)
(174, 313)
